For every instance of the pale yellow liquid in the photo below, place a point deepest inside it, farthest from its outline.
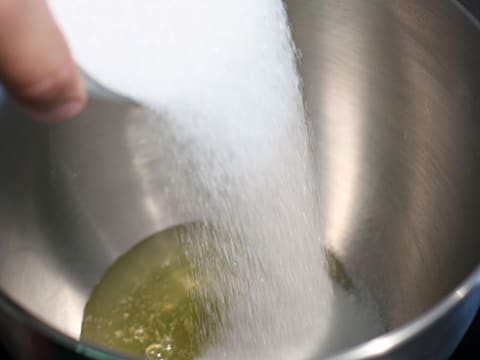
(153, 302)
(146, 304)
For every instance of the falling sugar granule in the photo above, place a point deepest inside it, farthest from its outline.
(221, 77)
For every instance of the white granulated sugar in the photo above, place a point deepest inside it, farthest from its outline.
(222, 74)
(189, 56)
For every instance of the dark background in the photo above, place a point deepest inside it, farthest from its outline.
(469, 348)
(473, 6)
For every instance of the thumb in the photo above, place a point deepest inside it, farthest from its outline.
(36, 66)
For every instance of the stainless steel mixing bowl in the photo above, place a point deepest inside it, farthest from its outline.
(393, 90)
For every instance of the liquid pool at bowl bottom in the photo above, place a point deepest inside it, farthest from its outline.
(155, 303)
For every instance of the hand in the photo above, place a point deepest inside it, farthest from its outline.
(36, 67)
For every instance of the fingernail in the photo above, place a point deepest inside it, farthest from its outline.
(62, 104)
(61, 112)
(67, 110)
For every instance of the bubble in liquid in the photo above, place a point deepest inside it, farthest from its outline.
(140, 334)
(154, 352)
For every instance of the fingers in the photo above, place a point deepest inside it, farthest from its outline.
(36, 66)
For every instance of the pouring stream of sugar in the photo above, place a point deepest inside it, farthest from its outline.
(222, 76)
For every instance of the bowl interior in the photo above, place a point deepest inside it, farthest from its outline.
(393, 100)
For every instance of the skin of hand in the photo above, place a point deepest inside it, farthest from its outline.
(36, 67)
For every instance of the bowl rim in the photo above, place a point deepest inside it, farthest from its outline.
(377, 346)
(399, 336)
